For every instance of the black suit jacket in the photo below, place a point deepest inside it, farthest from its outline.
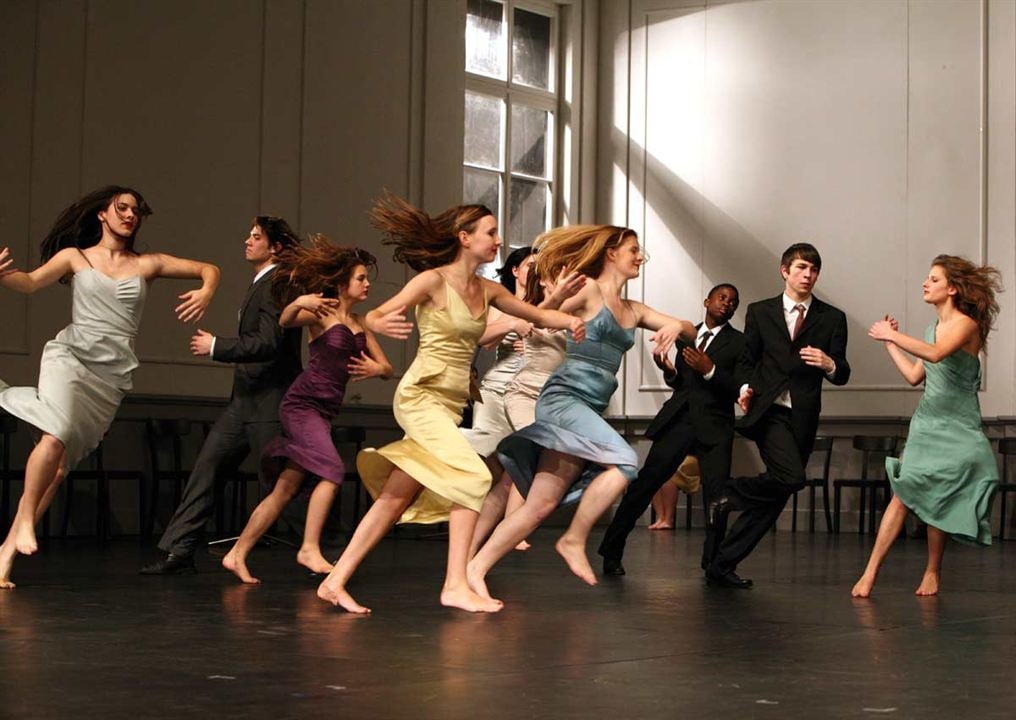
(267, 356)
(772, 363)
(709, 404)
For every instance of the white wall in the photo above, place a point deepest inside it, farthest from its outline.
(882, 131)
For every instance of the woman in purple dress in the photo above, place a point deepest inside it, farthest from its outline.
(332, 279)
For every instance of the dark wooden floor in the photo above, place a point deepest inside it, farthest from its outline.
(84, 636)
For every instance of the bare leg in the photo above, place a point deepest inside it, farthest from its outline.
(888, 530)
(491, 513)
(456, 591)
(40, 470)
(515, 501)
(320, 505)
(555, 472)
(396, 495)
(8, 551)
(263, 517)
(665, 506)
(936, 548)
(602, 492)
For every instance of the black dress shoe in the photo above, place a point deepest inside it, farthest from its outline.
(170, 565)
(612, 567)
(728, 580)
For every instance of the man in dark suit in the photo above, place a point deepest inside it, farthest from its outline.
(267, 360)
(793, 342)
(698, 419)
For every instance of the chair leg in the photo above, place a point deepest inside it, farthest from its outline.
(836, 505)
(102, 509)
(811, 509)
(689, 504)
(1001, 517)
(68, 497)
(862, 508)
(825, 505)
(793, 517)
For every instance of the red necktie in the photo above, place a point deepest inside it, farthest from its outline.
(704, 341)
(800, 320)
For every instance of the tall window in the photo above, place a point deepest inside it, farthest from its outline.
(511, 107)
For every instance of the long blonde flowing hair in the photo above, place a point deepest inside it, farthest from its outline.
(579, 248)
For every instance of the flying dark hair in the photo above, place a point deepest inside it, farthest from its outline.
(423, 242)
(278, 231)
(514, 259)
(78, 226)
(322, 267)
(976, 286)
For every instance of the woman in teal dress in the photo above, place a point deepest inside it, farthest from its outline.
(948, 475)
(571, 453)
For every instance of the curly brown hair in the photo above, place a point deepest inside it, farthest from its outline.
(976, 286)
(322, 267)
(423, 242)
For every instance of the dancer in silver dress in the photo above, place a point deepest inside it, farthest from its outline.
(86, 370)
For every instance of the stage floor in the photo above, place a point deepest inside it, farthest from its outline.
(84, 636)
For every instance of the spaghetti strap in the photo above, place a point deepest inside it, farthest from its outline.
(85, 257)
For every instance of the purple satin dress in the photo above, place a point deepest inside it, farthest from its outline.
(311, 402)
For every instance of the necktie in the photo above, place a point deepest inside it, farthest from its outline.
(705, 340)
(800, 320)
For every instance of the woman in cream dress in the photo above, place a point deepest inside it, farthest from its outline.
(433, 474)
(86, 369)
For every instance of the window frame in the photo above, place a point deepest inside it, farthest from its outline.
(511, 93)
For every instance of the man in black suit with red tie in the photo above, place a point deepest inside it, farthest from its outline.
(793, 342)
(698, 419)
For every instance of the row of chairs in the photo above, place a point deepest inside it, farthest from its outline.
(165, 441)
(874, 491)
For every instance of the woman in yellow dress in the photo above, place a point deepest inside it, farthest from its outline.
(433, 474)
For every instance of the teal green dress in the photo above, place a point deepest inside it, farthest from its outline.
(948, 475)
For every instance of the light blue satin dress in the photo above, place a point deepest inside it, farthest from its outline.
(569, 412)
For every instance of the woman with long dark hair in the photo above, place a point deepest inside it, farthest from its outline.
(948, 476)
(86, 370)
(571, 454)
(433, 474)
(317, 286)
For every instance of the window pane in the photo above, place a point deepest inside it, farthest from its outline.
(531, 49)
(528, 210)
(483, 188)
(486, 44)
(483, 141)
(529, 147)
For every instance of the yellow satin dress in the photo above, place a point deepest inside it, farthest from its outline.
(428, 407)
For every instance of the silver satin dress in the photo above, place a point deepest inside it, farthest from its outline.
(86, 369)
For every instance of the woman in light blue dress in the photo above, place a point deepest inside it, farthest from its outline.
(86, 370)
(948, 476)
(571, 454)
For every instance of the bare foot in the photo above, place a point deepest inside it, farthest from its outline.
(477, 582)
(929, 585)
(238, 566)
(464, 598)
(523, 546)
(862, 588)
(662, 525)
(337, 595)
(7, 553)
(313, 560)
(24, 539)
(575, 555)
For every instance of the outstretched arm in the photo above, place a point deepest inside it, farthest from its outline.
(195, 302)
(43, 276)
(508, 303)
(307, 310)
(389, 318)
(667, 328)
(951, 337)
